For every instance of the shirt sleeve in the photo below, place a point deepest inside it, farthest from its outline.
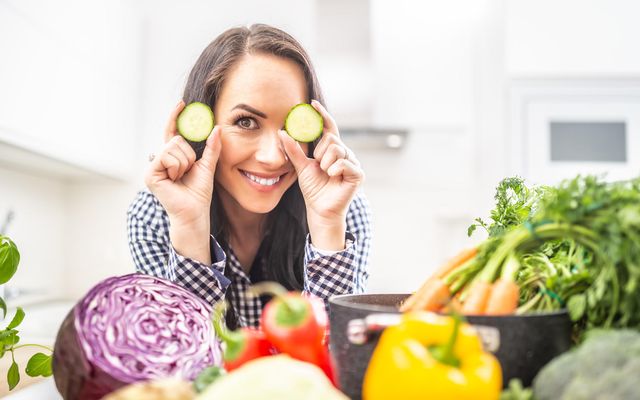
(153, 253)
(345, 271)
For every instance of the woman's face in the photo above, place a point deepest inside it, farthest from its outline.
(256, 96)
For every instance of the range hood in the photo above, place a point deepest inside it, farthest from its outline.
(344, 60)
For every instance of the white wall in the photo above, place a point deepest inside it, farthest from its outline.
(38, 229)
(95, 233)
(70, 234)
(438, 73)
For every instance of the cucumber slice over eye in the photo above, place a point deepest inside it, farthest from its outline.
(195, 122)
(304, 123)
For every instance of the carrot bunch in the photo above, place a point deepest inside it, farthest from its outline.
(468, 286)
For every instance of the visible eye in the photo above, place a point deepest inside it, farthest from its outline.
(247, 123)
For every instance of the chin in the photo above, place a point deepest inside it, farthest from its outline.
(259, 207)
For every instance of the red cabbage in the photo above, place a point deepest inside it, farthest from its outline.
(132, 328)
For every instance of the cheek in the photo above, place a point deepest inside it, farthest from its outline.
(231, 152)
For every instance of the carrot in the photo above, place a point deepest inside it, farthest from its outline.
(431, 297)
(462, 257)
(504, 298)
(410, 302)
(454, 306)
(505, 292)
(476, 299)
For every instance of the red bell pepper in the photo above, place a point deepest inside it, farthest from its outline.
(241, 345)
(296, 325)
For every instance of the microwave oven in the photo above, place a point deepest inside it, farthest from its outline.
(563, 128)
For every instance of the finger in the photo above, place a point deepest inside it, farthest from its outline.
(186, 150)
(170, 128)
(333, 154)
(293, 151)
(327, 140)
(171, 164)
(329, 123)
(212, 150)
(352, 157)
(348, 170)
(176, 152)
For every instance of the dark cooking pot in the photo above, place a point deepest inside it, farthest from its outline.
(522, 344)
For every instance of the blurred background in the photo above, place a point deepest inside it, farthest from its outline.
(439, 100)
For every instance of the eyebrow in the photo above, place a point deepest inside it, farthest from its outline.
(250, 109)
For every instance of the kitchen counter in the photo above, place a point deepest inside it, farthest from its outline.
(22, 356)
(43, 390)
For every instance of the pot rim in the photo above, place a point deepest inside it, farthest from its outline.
(345, 300)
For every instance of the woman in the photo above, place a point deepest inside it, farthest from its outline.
(257, 205)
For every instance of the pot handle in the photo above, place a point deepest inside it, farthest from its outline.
(360, 331)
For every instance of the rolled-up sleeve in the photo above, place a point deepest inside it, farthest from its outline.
(345, 271)
(153, 253)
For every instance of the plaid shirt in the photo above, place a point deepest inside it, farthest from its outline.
(325, 273)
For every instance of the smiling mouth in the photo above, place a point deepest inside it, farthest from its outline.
(262, 181)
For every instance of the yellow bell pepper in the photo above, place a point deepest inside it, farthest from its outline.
(430, 356)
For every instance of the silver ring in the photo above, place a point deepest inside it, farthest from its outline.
(151, 157)
(346, 153)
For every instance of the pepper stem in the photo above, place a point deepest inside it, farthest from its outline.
(233, 340)
(279, 292)
(444, 353)
(219, 326)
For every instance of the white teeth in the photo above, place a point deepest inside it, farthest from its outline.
(262, 181)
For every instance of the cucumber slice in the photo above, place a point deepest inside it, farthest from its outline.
(195, 122)
(304, 123)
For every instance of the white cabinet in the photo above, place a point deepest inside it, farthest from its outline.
(68, 83)
(572, 38)
(425, 62)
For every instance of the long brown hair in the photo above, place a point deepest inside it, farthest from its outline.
(287, 228)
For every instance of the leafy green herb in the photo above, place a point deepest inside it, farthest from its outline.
(515, 391)
(515, 202)
(579, 246)
(13, 375)
(577, 306)
(207, 376)
(39, 364)
(17, 319)
(3, 306)
(9, 259)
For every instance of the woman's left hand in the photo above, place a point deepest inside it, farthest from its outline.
(328, 182)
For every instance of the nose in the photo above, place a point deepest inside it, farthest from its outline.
(270, 151)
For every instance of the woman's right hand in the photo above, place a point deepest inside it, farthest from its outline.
(183, 185)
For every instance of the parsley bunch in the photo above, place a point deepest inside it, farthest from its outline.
(578, 245)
